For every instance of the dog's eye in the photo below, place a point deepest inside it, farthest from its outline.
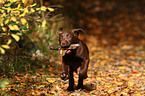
(69, 36)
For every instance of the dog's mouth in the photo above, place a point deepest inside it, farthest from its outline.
(65, 44)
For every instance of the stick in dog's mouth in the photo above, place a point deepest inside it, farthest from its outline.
(58, 47)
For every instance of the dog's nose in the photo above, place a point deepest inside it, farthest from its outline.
(63, 43)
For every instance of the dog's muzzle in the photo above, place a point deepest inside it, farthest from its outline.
(65, 44)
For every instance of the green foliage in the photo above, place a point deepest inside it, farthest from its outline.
(15, 19)
(3, 84)
(16, 64)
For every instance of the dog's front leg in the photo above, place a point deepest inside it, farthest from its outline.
(65, 73)
(71, 80)
(83, 73)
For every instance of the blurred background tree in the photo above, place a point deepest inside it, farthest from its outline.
(107, 22)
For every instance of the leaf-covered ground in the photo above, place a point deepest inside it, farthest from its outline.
(117, 57)
(112, 71)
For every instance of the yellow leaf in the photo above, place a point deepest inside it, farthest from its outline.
(33, 5)
(6, 82)
(57, 87)
(27, 25)
(4, 14)
(19, 5)
(23, 1)
(2, 11)
(11, 27)
(32, 10)
(26, 10)
(103, 63)
(138, 94)
(3, 34)
(6, 46)
(17, 22)
(23, 14)
(121, 76)
(110, 91)
(50, 80)
(4, 29)
(2, 50)
(108, 85)
(51, 9)
(44, 23)
(119, 83)
(8, 9)
(13, 1)
(14, 19)
(16, 27)
(43, 8)
(130, 83)
(9, 41)
(37, 8)
(15, 12)
(124, 93)
(16, 37)
(7, 21)
(52, 92)
(4, 89)
(99, 79)
(91, 57)
(24, 21)
(2, 24)
(122, 67)
(41, 86)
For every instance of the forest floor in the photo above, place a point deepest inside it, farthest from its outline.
(116, 71)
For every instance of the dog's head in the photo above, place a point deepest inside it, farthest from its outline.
(67, 38)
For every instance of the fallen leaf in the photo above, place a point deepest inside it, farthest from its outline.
(23, 21)
(16, 37)
(2, 50)
(130, 83)
(51, 9)
(9, 41)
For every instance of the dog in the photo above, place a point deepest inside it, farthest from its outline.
(73, 58)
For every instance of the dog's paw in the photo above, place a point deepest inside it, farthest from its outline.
(80, 87)
(64, 76)
(70, 89)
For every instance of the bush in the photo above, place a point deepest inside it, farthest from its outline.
(19, 19)
(16, 19)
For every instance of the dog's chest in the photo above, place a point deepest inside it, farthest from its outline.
(71, 59)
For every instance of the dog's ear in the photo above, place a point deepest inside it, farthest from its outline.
(77, 31)
(59, 31)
